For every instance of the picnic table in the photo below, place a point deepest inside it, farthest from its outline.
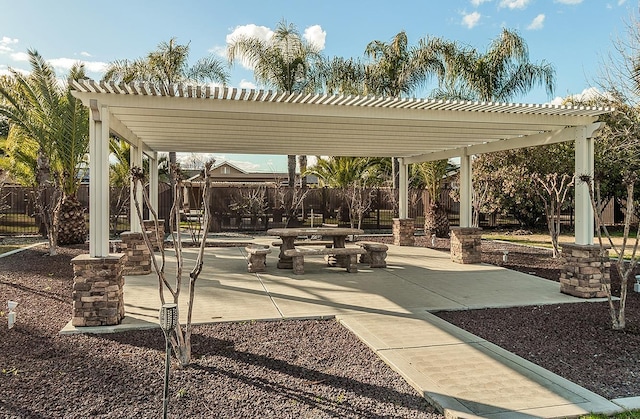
(289, 236)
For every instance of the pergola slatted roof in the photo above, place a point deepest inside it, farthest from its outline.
(185, 118)
(229, 120)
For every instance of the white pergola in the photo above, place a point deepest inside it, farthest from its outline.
(204, 119)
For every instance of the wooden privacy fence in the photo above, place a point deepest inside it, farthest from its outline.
(256, 208)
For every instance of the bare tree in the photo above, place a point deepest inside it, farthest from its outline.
(359, 200)
(624, 268)
(553, 192)
(181, 336)
(252, 202)
(290, 200)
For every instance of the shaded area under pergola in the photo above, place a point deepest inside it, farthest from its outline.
(205, 119)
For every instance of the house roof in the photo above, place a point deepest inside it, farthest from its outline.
(224, 120)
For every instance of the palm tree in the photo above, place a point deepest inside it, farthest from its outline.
(500, 74)
(428, 176)
(49, 136)
(285, 62)
(338, 75)
(354, 176)
(165, 66)
(398, 70)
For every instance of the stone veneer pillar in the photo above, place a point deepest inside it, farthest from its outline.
(466, 245)
(98, 299)
(403, 230)
(156, 239)
(585, 271)
(137, 255)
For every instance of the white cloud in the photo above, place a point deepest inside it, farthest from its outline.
(5, 43)
(470, 20)
(537, 23)
(315, 35)
(65, 64)
(250, 31)
(587, 94)
(85, 54)
(477, 3)
(621, 2)
(569, 1)
(514, 4)
(219, 51)
(246, 84)
(19, 56)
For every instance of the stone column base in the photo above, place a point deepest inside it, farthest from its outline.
(137, 255)
(466, 245)
(403, 229)
(585, 271)
(98, 299)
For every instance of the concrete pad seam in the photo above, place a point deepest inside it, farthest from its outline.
(264, 286)
(425, 288)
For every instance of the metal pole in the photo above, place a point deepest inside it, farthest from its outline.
(168, 320)
(167, 362)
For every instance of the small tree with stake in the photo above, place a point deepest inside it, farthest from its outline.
(180, 337)
(624, 268)
(553, 190)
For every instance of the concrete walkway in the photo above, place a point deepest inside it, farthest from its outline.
(388, 309)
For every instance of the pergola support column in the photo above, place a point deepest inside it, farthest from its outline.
(153, 181)
(403, 190)
(584, 165)
(135, 156)
(465, 240)
(98, 181)
(466, 191)
(587, 266)
(403, 227)
(98, 282)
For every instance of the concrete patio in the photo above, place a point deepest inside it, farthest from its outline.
(389, 309)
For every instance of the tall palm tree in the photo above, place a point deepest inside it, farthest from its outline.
(500, 74)
(397, 69)
(338, 75)
(49, 135)
(285, 62)
(167, 65)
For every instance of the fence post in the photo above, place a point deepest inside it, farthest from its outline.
(378, 205)
(324, 204)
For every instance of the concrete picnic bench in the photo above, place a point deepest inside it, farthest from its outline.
(289, 237)
(350, 254)
(257, 261)
(376, 254)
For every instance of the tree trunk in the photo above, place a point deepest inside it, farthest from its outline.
(291, 169)
(436, 220)
(302, 161)
(73, 227)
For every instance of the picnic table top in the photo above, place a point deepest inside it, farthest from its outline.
(319, 231)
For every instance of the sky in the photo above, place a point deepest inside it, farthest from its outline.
(575, 36)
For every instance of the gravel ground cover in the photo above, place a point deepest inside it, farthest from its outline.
(306, 369)
(288, 369)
